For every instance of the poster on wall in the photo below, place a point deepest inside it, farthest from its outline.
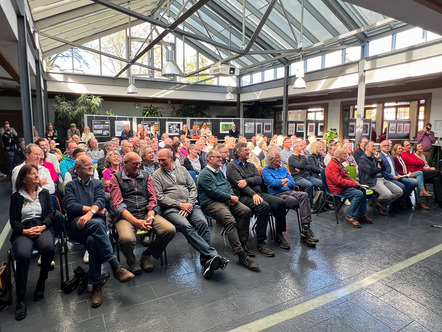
(365, 129)
(101, 127)
(225, 127)
(300, 127)
(151, 125)
(310, 129)
(119, 126)
(320, 129)
(258, 128)
(392, 128)
(291, 129)
(267, 128)
(173, 128)
(351, 130)
(249, 128)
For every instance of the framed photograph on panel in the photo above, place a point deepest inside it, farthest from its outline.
(150, 125)
(173, 128)
(365, 129)
(320, 129)
(406, 128)
(119, 126)
(249, 128)
(392, 128)
(310, 129)
(351, 130)
(400, 128)
(258, 128)
(224, 127)
(300, 127)
(291, 129)
(267, 127)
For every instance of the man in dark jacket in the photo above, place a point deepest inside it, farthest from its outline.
(371, 167)
(357, 154)
(246, 183)
(84, 201)
(9, 140)
(217, 199)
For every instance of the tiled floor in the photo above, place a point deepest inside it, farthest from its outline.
(177, 298)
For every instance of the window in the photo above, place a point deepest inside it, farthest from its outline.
(352, 54)
(379, 46)
(245, 80)
(315, 114)
(256, 78)
(333, 59)
(314, 63)
(421, 115)
(269, 75)
(409, 38)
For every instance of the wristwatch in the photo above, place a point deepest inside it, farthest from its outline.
(93, 211)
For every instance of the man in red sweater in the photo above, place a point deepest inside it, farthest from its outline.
(339, 182)
(431, 175)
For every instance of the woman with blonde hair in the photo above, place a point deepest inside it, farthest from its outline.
(316, 159)
(87, 135)
(141, 132)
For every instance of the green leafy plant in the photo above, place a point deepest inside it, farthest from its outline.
(111, 113)
(331, 134)
(191, 109)
(69, 111)
(152, 111)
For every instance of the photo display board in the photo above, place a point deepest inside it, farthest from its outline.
(398, 129)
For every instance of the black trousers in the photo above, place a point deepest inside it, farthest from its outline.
(22, 247)
(434, 177)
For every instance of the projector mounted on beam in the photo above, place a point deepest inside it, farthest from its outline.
(223, 69)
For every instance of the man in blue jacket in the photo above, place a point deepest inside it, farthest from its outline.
(217, 200)
(281, 184)
(84, 201)
(406, 184)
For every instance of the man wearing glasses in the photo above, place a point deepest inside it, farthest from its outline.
(246, 183)
(406, 184)
(177, 195)
(134, 201)
(217, 199)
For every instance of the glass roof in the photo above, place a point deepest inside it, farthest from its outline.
(215, 28)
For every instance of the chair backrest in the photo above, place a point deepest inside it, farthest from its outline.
(55, 203)
(193, 175)
(352, 172)
(288, 168)
(324, 182)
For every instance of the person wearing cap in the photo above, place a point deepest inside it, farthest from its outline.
(427, 138)
(73, 131)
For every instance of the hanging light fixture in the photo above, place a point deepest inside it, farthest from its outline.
(170, 69)
(299, 82)
(132, 89)
(229, 94)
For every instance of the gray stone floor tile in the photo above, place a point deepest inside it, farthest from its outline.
(414, 327)
(420, 313)
(331, 325)
(357, 318)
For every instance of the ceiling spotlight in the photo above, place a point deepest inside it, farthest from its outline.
(132, 89)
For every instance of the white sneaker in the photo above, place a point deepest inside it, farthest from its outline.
(347, 202)
(39, 262)
(86, 257)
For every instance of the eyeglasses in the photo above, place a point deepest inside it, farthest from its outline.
(219, 157)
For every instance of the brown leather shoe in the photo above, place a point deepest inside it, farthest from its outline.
(381, 210)
(123, 275)
(352, 222)
(425, 193)
(364, 219)
(422, 206)
(97, 296)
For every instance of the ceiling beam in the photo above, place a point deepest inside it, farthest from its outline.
(8, 67)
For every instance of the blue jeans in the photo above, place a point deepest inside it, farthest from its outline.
(194, 228)
(358, 198)
(93, 234)
(308, 183)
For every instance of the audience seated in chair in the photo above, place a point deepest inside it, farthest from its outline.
(84, 201)
(371, 167)
(177, 196)
(339, 182)
(246, 183)
(217, 200)
(135, 202)
(31, 215)
(281, 184)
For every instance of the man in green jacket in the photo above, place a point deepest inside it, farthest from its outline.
(217, 200)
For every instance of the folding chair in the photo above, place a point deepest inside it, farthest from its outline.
(368, 192)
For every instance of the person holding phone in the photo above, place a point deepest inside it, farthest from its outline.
(427, 138)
